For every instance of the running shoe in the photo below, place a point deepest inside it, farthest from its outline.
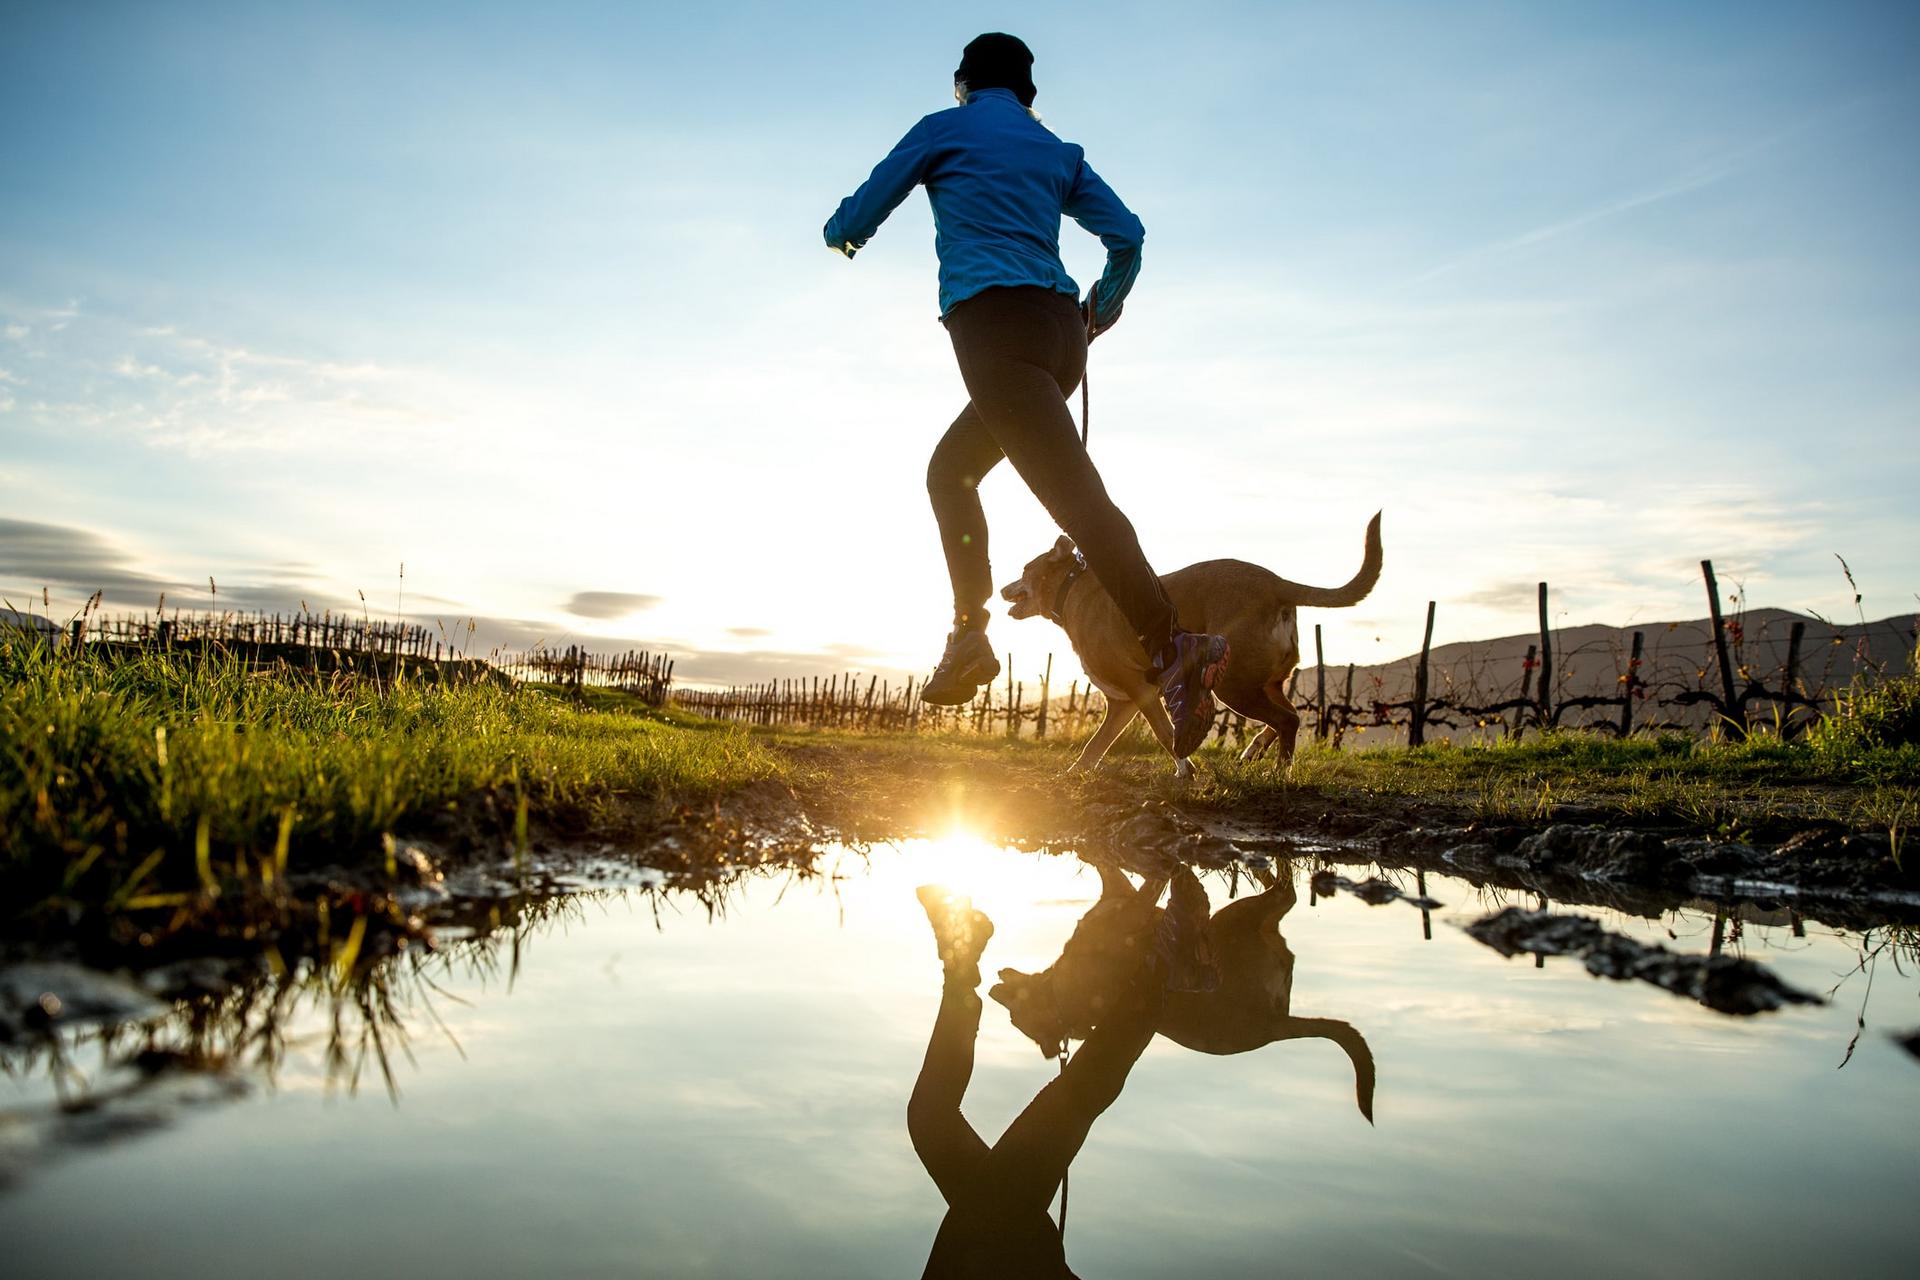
(967, 664)
(1183, 938)
(1188, 670)
(960, 933)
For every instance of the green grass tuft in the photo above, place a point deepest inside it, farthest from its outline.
(123, 779)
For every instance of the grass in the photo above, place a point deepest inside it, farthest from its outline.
(154, 780)
(128, 782)
(1737, 788)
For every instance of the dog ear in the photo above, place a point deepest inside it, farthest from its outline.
(1063, 545)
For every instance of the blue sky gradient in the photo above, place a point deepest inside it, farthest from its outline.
(537, 304)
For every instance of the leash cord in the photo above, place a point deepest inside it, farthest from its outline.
(1085, 411)
(1066, 1172)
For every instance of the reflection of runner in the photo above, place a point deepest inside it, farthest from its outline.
(997, 1197)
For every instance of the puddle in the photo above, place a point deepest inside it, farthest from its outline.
(634, 1081)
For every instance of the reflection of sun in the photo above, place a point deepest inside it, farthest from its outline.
(1017, 889)
(962, 862)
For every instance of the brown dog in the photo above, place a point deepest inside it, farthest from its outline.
(1252, 608)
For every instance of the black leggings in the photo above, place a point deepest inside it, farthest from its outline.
(997, 1196)
(1021, 352)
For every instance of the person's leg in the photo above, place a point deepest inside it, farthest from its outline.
(1019, 355)
(960, 461)
(954, 1155)
(1032, 1156)
(1020, 351)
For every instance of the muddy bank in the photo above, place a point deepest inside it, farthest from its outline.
(1727, 984)
(461, 865)
(1819, 870)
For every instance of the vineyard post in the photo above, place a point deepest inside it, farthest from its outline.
(1346, 708)
(1046, 691)
(1518, 725)
(1320, 698)
(1789, 680)
(1732, 713)
(1546, 664)
(1417, 729)
(1631, 680)
(1009, 687)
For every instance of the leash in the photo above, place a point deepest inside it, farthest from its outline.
(1085, 412)
(1068, 1171)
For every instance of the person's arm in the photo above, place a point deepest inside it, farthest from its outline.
(1093, 205)
(861, 213)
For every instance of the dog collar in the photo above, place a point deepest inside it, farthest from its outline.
(1066, 585)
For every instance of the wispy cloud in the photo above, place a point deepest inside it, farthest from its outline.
(1703, 177)
(1716, 170)
(183, 391)
(608, 604)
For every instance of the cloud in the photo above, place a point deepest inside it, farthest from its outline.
(749, 633)
(759, 666)
(170, 389)
(608, 604)
(79, 562)
(36, 555)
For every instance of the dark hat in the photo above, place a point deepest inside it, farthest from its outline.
(997, 60)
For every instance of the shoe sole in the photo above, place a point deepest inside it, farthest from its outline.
(976, 675)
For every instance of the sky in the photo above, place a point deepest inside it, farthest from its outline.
(535, 303)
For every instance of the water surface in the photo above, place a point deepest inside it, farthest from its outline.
(643, 1084)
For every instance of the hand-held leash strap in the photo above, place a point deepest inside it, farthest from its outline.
(1085, 412)
(1069, 1169)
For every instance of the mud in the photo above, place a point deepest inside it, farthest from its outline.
(1728, 984)
(1818, 870)
(1374, 891)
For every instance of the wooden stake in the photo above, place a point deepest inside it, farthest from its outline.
(1417, 729)
(1733, 713)
(1546, 664)
(1320, 676)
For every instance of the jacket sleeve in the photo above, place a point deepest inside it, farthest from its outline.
(1092, 204)
(861, 213)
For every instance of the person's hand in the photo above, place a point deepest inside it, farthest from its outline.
(1090, 317)
(845, 248)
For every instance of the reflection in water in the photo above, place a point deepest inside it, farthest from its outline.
(997, 1197)
(1229, 982)
(726, 1100)
(1219, 984)
(234, 1023)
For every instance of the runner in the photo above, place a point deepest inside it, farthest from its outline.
(999, 182)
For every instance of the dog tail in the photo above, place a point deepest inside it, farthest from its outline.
(1353, 591)
(1353, 1044)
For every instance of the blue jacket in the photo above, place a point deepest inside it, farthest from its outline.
(998, 181)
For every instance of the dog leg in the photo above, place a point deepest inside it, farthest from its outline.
(1163, 730)
(1281, 723)
(1119, 715)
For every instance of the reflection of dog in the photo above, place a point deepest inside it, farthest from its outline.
(1252, 608)
(1251, 1007)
